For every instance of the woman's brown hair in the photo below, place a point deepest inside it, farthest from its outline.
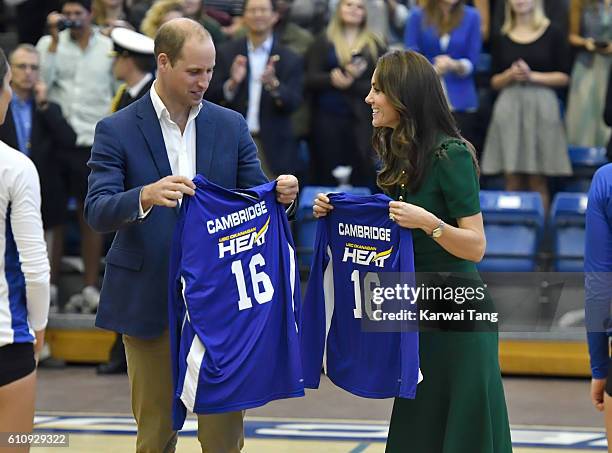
(436, 18)
(413, 88)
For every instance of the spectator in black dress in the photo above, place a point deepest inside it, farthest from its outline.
(526, 139)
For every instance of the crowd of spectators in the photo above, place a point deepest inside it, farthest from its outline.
(299, 70)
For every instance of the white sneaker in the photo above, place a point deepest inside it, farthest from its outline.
(91, 299)
(74, 304)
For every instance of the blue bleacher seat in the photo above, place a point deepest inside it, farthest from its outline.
(568, 224)
(513, 226)
(306, 223)
(584, 156)
(585, 161)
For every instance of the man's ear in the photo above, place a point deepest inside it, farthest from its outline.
(163, 62)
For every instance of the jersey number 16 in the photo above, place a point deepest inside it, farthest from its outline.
(262, 295)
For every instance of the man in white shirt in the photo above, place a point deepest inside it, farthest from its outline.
(76, 65)
(262, 79)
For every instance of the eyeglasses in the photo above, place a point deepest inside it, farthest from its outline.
(24, 66)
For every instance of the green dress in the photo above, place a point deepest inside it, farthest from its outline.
(459, 405)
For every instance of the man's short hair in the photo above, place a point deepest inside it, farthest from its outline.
(272, 2)
(144, 63)
(171, 37)
(25, 46)
(84, 3)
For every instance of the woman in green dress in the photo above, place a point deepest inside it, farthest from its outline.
(433, 175)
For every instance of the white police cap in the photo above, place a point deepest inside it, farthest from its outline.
(130, 41)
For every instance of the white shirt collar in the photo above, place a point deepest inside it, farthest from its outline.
(140, 85)
(266, 45)
(162, 111)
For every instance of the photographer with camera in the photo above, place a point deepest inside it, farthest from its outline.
(76, 65)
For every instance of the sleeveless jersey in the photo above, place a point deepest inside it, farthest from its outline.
(357, 246)
(234, 302)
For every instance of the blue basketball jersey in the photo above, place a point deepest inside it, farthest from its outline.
(357, 246)
(234, 302)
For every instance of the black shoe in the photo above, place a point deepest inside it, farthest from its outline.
(112, 368)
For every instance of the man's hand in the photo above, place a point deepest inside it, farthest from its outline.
(166, 192)
(286, 189)
(52, 20)
(238, 71)
(598, 387)
(268, 77)
(321, 206)
(40, 94)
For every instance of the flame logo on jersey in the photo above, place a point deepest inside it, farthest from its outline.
(243, 240)
(365, 255)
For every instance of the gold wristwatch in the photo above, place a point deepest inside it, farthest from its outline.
(437, 231)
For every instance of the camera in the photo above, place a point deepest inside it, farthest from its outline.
(67, 23)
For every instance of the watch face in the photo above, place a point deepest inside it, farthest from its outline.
(436, 233)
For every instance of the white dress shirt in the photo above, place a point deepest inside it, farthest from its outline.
(133, 91)
(258, 59)
(181, 147)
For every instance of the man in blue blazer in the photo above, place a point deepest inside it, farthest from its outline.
(142, 163)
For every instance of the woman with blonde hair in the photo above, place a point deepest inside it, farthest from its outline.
(526, 139)
(160, 12)
(339, 65)
(591, 35)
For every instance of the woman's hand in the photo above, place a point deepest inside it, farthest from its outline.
(598, 387)
(321, 206)
(412, 216)
(356, 67)
(39, 342)
(340, 80)
(444, 64)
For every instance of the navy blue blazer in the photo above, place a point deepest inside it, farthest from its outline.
(465, 42)
(128, 153)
